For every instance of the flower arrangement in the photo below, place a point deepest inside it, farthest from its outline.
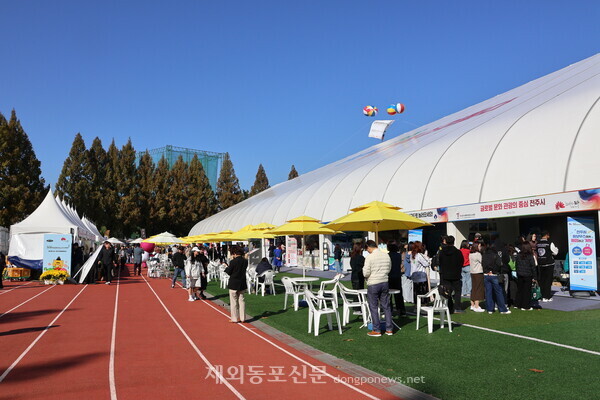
(55, 274)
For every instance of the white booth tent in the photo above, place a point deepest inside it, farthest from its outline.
(539, 138)
(51, 216)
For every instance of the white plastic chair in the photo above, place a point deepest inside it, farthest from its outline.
(348, 303)
(223, 279)
(291, 289)
(316, 308)
(332, 292)
(440, 304)
(251, 279)
(268, 281)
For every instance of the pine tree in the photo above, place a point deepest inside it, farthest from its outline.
(144, 187)
(228, 185)
(73, 185)
(179, 185)
(128, 213)
(159, 209)
(95, 172)
(22, 188)
(109, 200)
(261, 182)
(293, 173)
(201, 202)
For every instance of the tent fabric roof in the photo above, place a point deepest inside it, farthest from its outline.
(52, 216)
(539, 138)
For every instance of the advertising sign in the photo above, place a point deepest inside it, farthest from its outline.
(415, 235)
(582, 254)
(57, 251)
(291, 252)
(579, 200)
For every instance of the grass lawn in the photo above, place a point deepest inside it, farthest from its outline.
(467, 363)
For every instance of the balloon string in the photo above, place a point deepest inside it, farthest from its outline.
(326, 155)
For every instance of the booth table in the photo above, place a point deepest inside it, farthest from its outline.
(306, 281)
(17, 274)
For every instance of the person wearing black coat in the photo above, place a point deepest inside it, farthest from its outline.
(492, 266)
(357, 262)
(76, 260)
(395, 276)
(451, 263)
(237, 284)
(526, 275)
(107, 260)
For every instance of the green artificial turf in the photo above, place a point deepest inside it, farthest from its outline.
(467, 363)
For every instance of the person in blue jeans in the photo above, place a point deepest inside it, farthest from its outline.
(179, 264)
(376, 270)
(492, 264)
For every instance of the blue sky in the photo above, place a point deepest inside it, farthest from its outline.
(271, 82)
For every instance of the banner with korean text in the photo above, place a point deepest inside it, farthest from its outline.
(583, 274)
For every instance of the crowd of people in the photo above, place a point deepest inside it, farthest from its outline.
(481, 270)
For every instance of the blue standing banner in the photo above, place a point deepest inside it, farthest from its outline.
(57, 251)
(582, 254)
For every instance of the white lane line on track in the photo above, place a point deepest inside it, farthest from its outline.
(24, 353)
(111, 363)
(566, 346)
(26, 301)
(212, 368)
(16, 287)
(315, 368)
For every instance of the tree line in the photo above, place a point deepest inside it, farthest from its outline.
(112, 190)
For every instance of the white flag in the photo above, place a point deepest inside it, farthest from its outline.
(378, 128)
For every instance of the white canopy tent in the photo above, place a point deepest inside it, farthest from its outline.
(539, 138)
(51, 216)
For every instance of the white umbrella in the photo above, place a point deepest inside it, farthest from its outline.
(114, 241)
(164, 238)
(138, 240)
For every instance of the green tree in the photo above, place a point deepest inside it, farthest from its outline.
(144, 184)
(22, 188)
(73, 185)
(201, 202)
(228, 185)
(261, 182)
(109, 200)
(293, 173)
(95, 172)
(159, 208)
(179, 186)
(127, 211)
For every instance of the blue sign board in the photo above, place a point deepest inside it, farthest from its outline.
(415, 235)
(583, 273)
(57, 251)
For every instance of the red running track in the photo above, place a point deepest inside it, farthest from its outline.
(140, 339)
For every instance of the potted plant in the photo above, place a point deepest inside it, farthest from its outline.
(49, 277)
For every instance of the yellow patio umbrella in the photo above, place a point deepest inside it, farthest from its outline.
(204, 238)
(260, 231)
(240, 235)
(222, 236)
(376, 216)
(302, 226)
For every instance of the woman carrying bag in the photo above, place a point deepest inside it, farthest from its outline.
(237, 284)
(195, 269)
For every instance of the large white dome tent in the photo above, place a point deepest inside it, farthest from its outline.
(538, 139)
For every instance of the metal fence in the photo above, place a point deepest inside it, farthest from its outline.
(211, 162)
